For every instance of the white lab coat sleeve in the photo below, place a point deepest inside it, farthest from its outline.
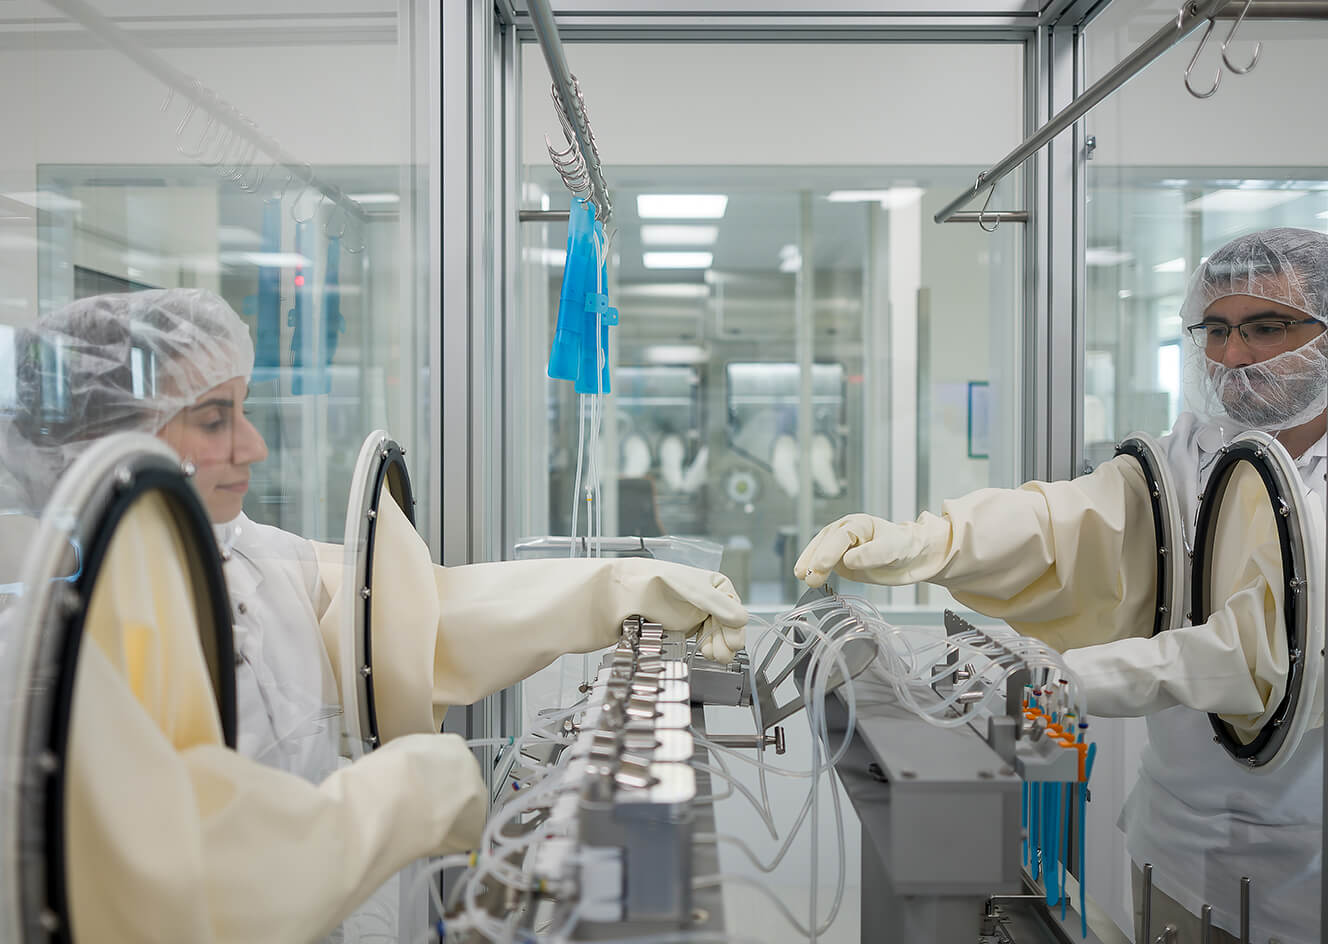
(447, 636)
(1071, 563)
(174, 837)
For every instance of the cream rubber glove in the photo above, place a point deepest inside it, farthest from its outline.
(1224, 666)
(446, 636)
(1052, 559)
(873, 550)
(173, 837)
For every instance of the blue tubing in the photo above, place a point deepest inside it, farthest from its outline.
(1035, 828)
(1063, 810)
(1083, 814)
(1023, 817)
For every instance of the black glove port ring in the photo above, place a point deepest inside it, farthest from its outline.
(379, 470)
(1168, 529)
(63, 567)
(1302, 610)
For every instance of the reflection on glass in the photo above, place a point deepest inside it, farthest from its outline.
(319, 291)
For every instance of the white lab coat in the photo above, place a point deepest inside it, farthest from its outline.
(288, 706)
(1203, 821)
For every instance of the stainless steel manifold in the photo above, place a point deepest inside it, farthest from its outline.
(631, 787)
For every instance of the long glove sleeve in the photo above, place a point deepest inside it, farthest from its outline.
(1050, 558)
(447, 636)
(287, 861)
(1233, 665)
(173, 837)
(1224, 666)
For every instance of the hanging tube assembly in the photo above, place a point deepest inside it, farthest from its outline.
(181, 84)
(546, 31)
(1192, 15)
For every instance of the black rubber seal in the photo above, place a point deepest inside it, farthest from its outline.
(395, 478)
(189, 515)
(1274, 732)
(1135, 450)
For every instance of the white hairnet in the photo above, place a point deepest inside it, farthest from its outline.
(109, 364)
(1287, 266)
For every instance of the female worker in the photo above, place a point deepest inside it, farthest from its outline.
(1036, 556)
(176, 363)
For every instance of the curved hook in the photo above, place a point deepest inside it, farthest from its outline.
(290, 176)
(1217, 79)
(246, 157)
(260, 175)
(360, 224)
(295, 206)
(204, 142)
(981, 225)
(327, 224)
(225, 142)
(1258, 46)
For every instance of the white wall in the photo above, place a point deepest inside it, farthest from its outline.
(786, 104)
(334, 103)
(1272, 117)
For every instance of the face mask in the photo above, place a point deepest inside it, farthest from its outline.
(1279, 393)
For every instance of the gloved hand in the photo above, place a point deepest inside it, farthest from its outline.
(873, 550)
(451, 635)
(1070, 563)
(717, 640)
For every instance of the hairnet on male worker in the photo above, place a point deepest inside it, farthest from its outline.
(1287, 268)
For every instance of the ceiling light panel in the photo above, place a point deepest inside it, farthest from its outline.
(657, 235)
(681, 206)
(677, 260)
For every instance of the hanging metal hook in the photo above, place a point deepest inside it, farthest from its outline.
(260, 174)
(981, 225)
(290, 176)
(224, 144)
(294, 206)
(1258, 46)
(327, 224)
(204, 141)
(1217, 79)
(246, 157)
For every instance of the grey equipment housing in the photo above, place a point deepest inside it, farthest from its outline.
(39, 659)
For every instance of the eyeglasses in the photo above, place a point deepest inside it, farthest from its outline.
(1258, 335)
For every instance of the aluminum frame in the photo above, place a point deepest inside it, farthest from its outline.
(474, 514)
